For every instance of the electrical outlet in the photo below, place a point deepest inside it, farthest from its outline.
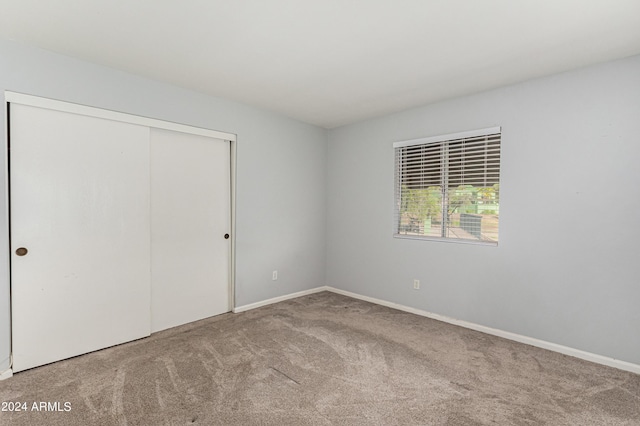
(274, 276)
(416, 284)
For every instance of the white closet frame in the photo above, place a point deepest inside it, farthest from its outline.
(36, 101)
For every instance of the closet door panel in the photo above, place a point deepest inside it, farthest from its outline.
(190, 215)
(80, 207)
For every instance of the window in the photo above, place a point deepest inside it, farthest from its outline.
(448, 187)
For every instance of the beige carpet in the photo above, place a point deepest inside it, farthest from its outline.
(324, 359)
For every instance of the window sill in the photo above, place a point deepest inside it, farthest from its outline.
(445, 240)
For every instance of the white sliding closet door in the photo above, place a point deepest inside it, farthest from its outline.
(190, 215)
(80, 207)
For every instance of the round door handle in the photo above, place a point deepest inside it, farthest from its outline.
(22, 251)
(226, 236)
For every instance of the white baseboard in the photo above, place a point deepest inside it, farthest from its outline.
(577, 353)
(250, 306)
(6, 374)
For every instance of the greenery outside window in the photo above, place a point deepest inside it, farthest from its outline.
(448, 187)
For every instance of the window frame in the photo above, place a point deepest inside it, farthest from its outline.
(444, 140)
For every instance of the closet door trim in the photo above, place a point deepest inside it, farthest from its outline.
(36, 101)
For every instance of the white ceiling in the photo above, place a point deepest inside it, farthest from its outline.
(331, 62)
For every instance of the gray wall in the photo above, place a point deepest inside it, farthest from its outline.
(567, 269)
(281, 172)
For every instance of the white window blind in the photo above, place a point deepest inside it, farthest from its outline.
(448, 187)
